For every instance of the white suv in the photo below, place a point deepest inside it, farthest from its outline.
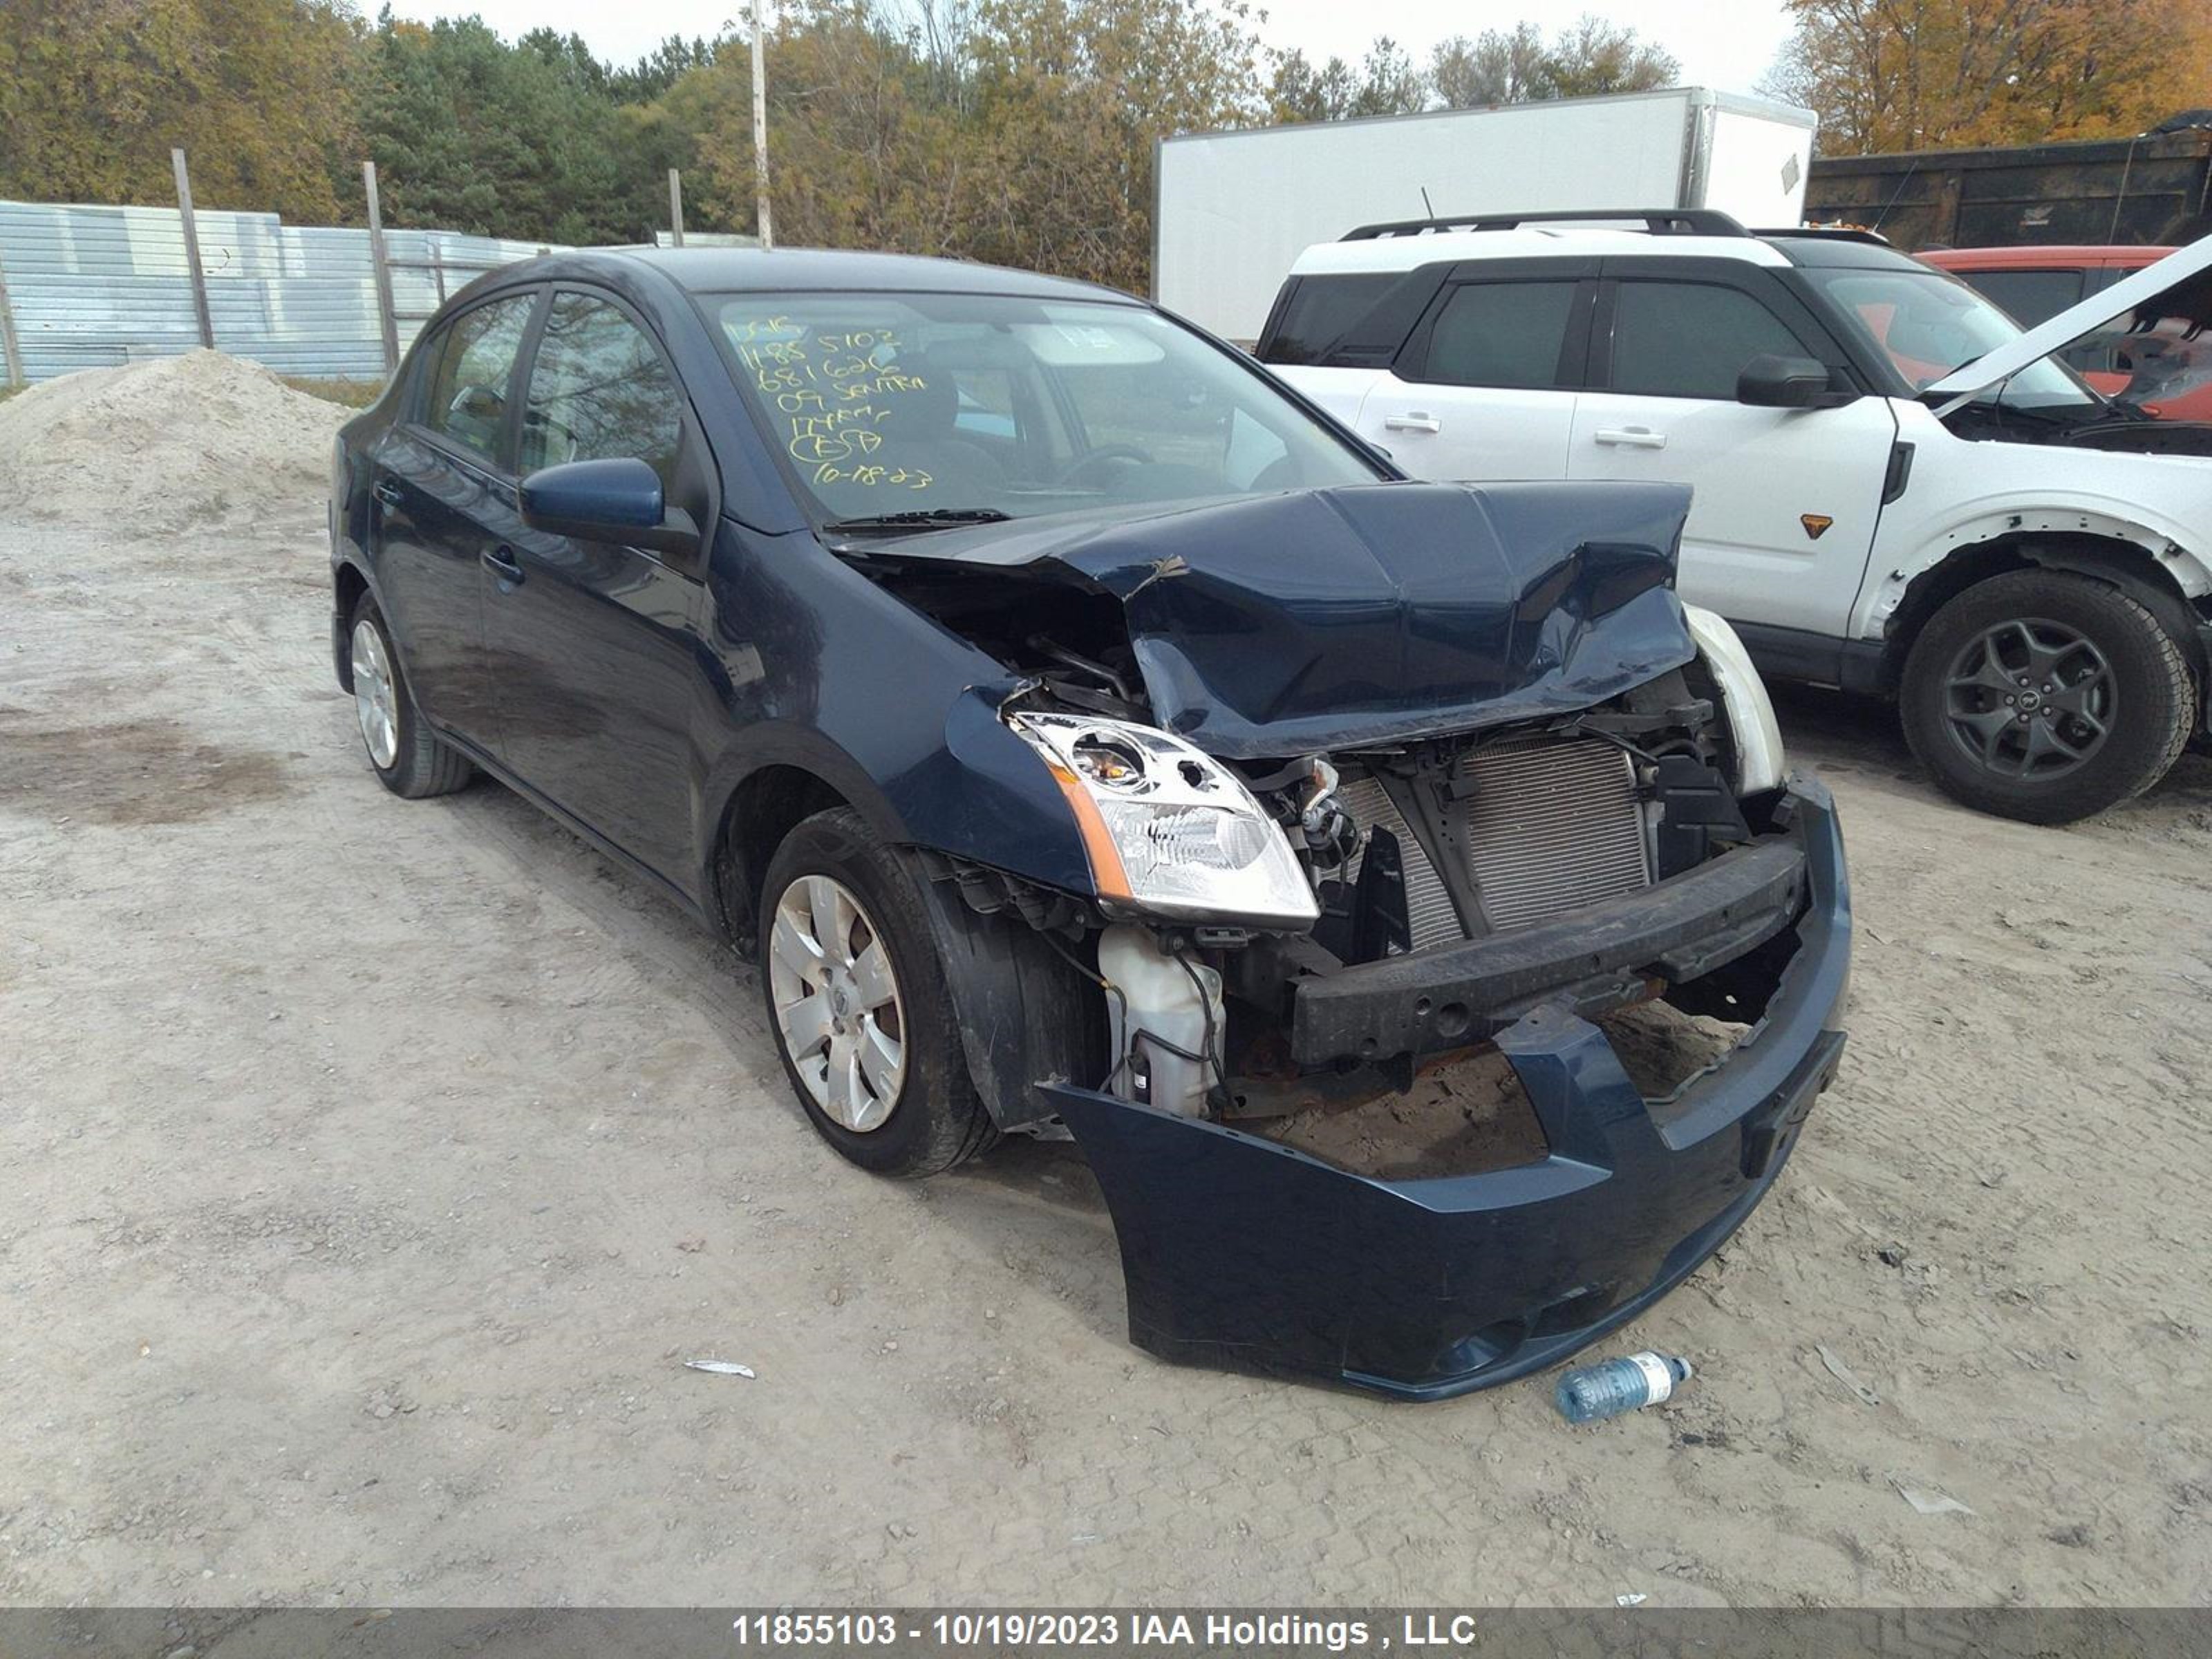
(1896, 489)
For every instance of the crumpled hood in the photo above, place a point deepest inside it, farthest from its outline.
(1278, 625)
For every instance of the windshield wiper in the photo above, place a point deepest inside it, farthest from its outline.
(928, 518)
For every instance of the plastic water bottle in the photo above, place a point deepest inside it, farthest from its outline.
(1590, 1394)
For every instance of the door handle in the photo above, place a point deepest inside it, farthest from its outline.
(501, 563)
(386, 493)
(1415, 422)
(1631, 437)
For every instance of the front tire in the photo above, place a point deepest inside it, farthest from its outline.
(2046, 697)
(858, 1001)
(408, 759)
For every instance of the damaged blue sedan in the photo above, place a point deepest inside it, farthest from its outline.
(1087, 737)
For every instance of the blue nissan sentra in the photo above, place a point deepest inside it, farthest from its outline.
(1087, 736)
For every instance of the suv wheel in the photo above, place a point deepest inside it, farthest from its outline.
(859, 1003)
(2046, 697)
(409, 758)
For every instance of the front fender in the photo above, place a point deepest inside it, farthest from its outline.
(2161, 542)
(980, 793)
(801, 647)
(1964, 494)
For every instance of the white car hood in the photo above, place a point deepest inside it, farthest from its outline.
(2142, 290)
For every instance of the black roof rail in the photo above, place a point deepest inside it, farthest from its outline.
(1659, 222)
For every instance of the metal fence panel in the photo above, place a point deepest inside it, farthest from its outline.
(94, 287)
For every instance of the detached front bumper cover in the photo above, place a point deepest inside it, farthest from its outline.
(1242, 1253)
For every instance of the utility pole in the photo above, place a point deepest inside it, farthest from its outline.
(676, 206)
(760, 124)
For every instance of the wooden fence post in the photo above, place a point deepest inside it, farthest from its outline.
(676, 206)
(192, 249)
(11, 350)
(382, 267)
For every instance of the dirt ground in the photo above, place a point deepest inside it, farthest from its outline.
(375, 1166)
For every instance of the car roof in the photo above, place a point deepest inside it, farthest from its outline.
(1856, 249)
(1772, 249)
(727, 271)
(1395, 253)
(2057, 256)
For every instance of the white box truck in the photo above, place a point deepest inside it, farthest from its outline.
(1233, 209)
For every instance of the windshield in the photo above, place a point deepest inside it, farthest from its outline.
(1928, 324)
(980, 405)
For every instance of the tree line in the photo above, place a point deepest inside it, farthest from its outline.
(1900, 75)
(1016, 131)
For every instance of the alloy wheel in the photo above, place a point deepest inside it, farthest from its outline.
(837, 1002)
(375, 699)
(2030, 698)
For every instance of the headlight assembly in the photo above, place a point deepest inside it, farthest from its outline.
(1169, 830)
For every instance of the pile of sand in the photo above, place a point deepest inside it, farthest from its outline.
(169, 443)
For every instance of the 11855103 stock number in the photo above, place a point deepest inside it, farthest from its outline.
(816, 1630)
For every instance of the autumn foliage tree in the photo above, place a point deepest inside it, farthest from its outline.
(1517, 66)
(94, 93)
(1020, 133)
(864, 152)
(1499, 66)
(1385, 82)
(1071, 96)
(1017, 132)
(1891, 75)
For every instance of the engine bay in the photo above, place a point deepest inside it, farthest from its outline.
(1408, 848)
(1362, 777)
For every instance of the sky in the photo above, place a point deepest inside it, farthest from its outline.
(1723, 44)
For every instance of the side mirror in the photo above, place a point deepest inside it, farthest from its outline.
(617, 501)
(1770, 382)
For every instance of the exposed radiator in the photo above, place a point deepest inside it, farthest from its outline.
(1429, 913)
(1552, 824)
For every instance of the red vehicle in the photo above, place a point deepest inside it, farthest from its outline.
(2153, 362)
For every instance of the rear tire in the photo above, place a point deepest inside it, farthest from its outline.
(2046, 697)
(407, 757)
(858, 1000)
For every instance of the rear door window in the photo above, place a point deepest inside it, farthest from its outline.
(1509, 335)
(1691, 339)
(466, 402)
(599, 392)
(1319, 311)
